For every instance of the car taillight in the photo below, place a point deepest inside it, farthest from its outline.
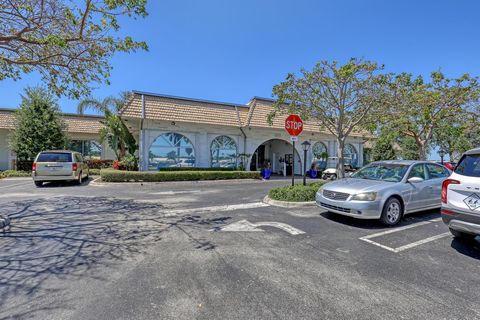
(74, 167)
(34, 167)
(445, 185)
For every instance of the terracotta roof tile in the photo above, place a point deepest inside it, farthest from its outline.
(177, 109)
(258, 118)
(7, 119)
(78, 124)
(75, 123)
(259, 110)
(168, 108)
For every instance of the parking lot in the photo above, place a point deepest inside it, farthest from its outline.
(214, 250)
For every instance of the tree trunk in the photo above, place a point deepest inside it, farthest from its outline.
(340, 166)
(422, 152)
(421, 149)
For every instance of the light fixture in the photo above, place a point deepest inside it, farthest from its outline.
(306, 145)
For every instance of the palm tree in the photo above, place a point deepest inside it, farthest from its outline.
(115, 132)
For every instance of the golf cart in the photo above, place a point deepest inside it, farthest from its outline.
(331, 173)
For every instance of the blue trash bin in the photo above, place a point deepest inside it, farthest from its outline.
(266, 173)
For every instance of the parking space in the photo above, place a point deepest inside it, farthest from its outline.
(409, 236)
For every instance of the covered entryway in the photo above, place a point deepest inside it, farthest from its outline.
(276, 153)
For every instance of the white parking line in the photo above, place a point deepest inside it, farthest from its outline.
(417, 243)
(16, 185)
(228, 207)
(368, 238)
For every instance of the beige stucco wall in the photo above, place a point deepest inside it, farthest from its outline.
(202, 135)
(4, 151)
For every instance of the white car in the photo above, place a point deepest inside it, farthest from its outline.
(461, 197)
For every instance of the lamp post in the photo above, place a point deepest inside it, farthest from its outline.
(305, 147)
(441, 152)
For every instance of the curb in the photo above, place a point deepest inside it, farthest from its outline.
(288, 204)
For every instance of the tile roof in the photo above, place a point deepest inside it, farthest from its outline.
(7, 119)
(185, 110)
(83, 124)
(259, 110)
(75, 123)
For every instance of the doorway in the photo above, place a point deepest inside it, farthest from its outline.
(278, 154)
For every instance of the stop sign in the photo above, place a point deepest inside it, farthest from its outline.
(294, 125)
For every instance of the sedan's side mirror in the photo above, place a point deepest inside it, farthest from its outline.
(415, 180)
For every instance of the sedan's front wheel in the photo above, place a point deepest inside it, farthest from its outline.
(392, 212)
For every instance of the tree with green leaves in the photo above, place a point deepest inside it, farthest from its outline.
(339, 98)
(383, 148)
(451, 137)
(418, 108)
(38, 125)
(68, 42)
(115, 132)
(408, 148)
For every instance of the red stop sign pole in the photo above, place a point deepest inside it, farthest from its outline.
(294, 126)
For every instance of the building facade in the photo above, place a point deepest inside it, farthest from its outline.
(183, 132)
(83, 132)
(176, 131)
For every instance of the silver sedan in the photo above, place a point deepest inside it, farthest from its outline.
(385, 190)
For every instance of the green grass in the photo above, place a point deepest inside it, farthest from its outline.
(297, 193)
(110, 175)
(14, 174)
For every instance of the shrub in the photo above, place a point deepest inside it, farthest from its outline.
(196, 169)
(14, 173)
(99, 164)
(129, 163)
(135, 176)
(297, 193)
(23, 165)
(94, 172)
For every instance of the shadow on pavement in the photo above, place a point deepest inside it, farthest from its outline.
(56, 184)
(469, 248)
(54, 242)
(376, 224)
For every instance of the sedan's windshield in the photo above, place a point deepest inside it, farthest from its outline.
(382, 172)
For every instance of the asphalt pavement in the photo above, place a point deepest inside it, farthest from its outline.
(213, 250)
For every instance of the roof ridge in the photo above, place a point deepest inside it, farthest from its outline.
(189, 99)
(12, 110)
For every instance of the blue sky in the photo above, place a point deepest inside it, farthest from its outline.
(234, 50)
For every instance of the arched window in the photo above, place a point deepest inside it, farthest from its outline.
(350, 155)
(320, 155)
(171, 150)
(223, 152)
(320, 151)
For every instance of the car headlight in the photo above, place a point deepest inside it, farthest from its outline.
(365, 196)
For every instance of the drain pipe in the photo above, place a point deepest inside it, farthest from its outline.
(243, 134)
(142, 137)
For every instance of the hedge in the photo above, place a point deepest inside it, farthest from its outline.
(99, 164)
(23, 165)
(109, 175)
(94, 172)
(14, 173)
(196, 169)
(297, 193)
